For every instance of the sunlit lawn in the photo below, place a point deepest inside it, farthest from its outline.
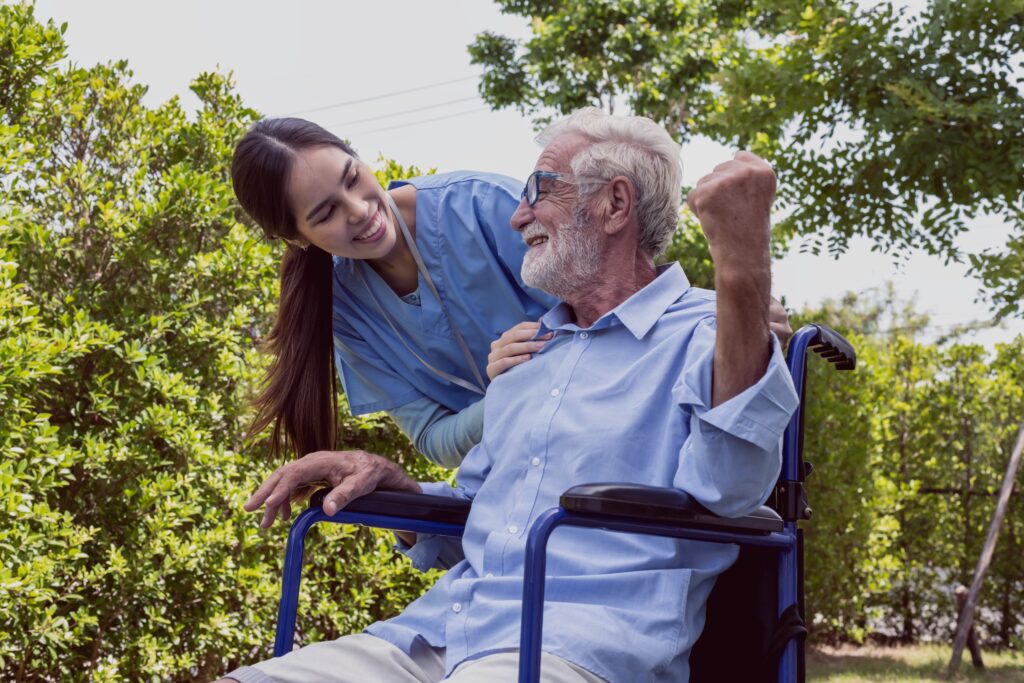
(899, 664)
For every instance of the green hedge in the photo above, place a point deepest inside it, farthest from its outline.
(132, 295)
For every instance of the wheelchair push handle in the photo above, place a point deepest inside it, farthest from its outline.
(833, 347)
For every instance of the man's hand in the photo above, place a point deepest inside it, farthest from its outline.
(733, 204)
(513, 347)
(351, 474)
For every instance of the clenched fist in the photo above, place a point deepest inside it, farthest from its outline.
(733, 204)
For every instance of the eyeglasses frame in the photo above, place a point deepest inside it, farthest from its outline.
(534, 181)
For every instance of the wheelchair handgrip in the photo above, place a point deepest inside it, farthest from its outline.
(403, 504)
(834, 348)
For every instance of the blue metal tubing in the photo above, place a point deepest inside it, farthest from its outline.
(532, 626)
(288, 606)
(535, 563)
(788, 596)
(796, 360)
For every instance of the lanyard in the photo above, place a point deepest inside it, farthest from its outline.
(480, 386)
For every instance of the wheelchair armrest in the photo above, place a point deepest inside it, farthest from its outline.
(403, 504)
(666, 505)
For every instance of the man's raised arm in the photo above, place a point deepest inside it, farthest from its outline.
(733, 204)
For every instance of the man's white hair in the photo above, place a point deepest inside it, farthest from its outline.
(637, 148)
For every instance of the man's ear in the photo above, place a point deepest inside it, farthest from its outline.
(621, 198)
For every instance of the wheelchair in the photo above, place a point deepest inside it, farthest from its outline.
(754, 629)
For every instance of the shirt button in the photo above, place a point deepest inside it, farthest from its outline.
(555, 392)
(489, 575)
(457, 607)
(513, 529)
(583, 335)
(535, 462)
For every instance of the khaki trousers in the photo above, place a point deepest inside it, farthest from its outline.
(363, 658)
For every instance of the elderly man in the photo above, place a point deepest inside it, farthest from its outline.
(645, 380)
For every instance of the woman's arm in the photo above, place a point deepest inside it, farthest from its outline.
(442, 435)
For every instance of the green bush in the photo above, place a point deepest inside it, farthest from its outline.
(133, 295)
(909, 453)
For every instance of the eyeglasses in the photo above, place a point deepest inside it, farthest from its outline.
(531, 193)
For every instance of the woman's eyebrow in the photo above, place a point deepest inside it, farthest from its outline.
(316, 209)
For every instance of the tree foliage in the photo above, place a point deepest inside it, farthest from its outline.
(879, 123)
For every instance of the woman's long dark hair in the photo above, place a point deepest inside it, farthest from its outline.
(300, 395)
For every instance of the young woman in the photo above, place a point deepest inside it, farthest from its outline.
(403, 291)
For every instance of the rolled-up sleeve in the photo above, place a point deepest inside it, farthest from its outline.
(433, 551)
(731, 459)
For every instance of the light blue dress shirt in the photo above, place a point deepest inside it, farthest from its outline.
(627, 400)
(474, 258)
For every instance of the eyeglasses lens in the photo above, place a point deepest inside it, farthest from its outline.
(532, 189)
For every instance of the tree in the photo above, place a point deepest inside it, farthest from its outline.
(896, 127)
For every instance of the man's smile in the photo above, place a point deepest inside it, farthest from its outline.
(535, 235)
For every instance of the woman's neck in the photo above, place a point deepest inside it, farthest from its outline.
(398, 267)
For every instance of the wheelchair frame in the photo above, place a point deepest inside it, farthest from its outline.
(619, 508)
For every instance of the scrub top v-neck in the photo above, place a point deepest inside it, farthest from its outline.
(474, 259)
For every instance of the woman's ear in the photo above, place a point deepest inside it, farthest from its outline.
(299, 242)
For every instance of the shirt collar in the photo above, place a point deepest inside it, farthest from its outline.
(638, 313)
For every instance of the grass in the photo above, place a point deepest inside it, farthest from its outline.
(917, 664)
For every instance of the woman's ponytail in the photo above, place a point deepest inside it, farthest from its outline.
(300, 397)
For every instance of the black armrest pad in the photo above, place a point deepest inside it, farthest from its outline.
(657, 504)
(403, 504)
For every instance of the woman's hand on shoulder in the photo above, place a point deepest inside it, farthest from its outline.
(350, 474)
(778, 322)
(516, 345)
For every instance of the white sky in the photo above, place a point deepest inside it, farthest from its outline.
(291, 58)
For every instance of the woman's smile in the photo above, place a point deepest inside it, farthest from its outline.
(374, 231)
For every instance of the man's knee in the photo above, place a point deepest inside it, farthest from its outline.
(350, 659)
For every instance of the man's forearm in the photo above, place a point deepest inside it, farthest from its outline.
(742, 340)
(733, 204)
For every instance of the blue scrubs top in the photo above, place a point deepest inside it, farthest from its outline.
(474, 257)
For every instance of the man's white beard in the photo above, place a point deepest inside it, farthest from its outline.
(568, 262)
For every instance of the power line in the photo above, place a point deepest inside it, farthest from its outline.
(381, 97)
(401, 113)
(416, 123)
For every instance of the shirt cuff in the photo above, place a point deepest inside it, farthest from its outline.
(759, 414)
(433, 551)
(424, 555)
